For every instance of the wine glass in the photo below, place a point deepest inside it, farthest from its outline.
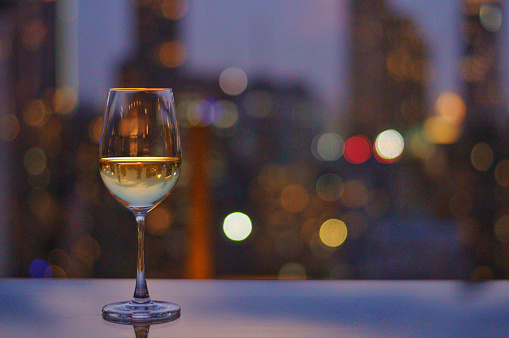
(140, 159)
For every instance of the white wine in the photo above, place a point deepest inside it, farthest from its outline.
(140, 182)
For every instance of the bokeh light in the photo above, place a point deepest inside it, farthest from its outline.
(502, 173)
(35, 113)
(159, 221)
(438, 130)
(389, 146)
(481, 156)
(87, 249)
(419, 146)
(329, 187)
(237, 226)
(94, 129)
(174, 9)
(39, 202)
(228, 114)
(294, 198)
(34, 161)
(490, 17)
(172, 54)
(38, 268)
(292, 270)
(357, 223)
(65, 100)
(451, 108)
(34, 34)
(327, 146)
(501, 228)
(60, 258)
(357, 149)
(319, 249)
(233, 81)
(54, 271)
(9, 127)
(333, 233)
(202, 112)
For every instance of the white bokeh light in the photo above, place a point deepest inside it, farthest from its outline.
(389, 144)
(237, 226)
(233, 81)
(327, 146)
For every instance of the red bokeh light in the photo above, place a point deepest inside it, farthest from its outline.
(357, 149)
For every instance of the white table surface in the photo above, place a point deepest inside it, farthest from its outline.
(227, 308)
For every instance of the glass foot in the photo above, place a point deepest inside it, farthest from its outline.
(129, 312)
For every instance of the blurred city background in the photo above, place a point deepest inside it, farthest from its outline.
(348, 139)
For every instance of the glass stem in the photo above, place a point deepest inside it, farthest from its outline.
(141, 291)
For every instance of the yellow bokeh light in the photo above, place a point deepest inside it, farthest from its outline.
(237, 226)
(174, 9)
(482, 156)
(172, 54)
(451, 108)
(420, 146)
(195, 113)
(437, 130)
(39, 201)
(60, 258)
(229, 115)
(65, 100)
(9, 127)
(333, 233)
(34, 34)
(502, 173)
(34, 161)
(501, 228)
(94, 129)
(292, 270)
(294, 198)
(87, 249)
(233, 81)
(389, 144)
(56, 272)
(159, 221)
(35, 113)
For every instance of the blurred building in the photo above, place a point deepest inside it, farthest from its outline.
(417, 235)
(35, 132)
(406, 190)
(484, 143)
(389, 70)
(8, 131)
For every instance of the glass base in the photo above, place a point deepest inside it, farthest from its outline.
(129, 312)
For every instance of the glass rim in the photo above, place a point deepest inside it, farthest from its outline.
(119, 89)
